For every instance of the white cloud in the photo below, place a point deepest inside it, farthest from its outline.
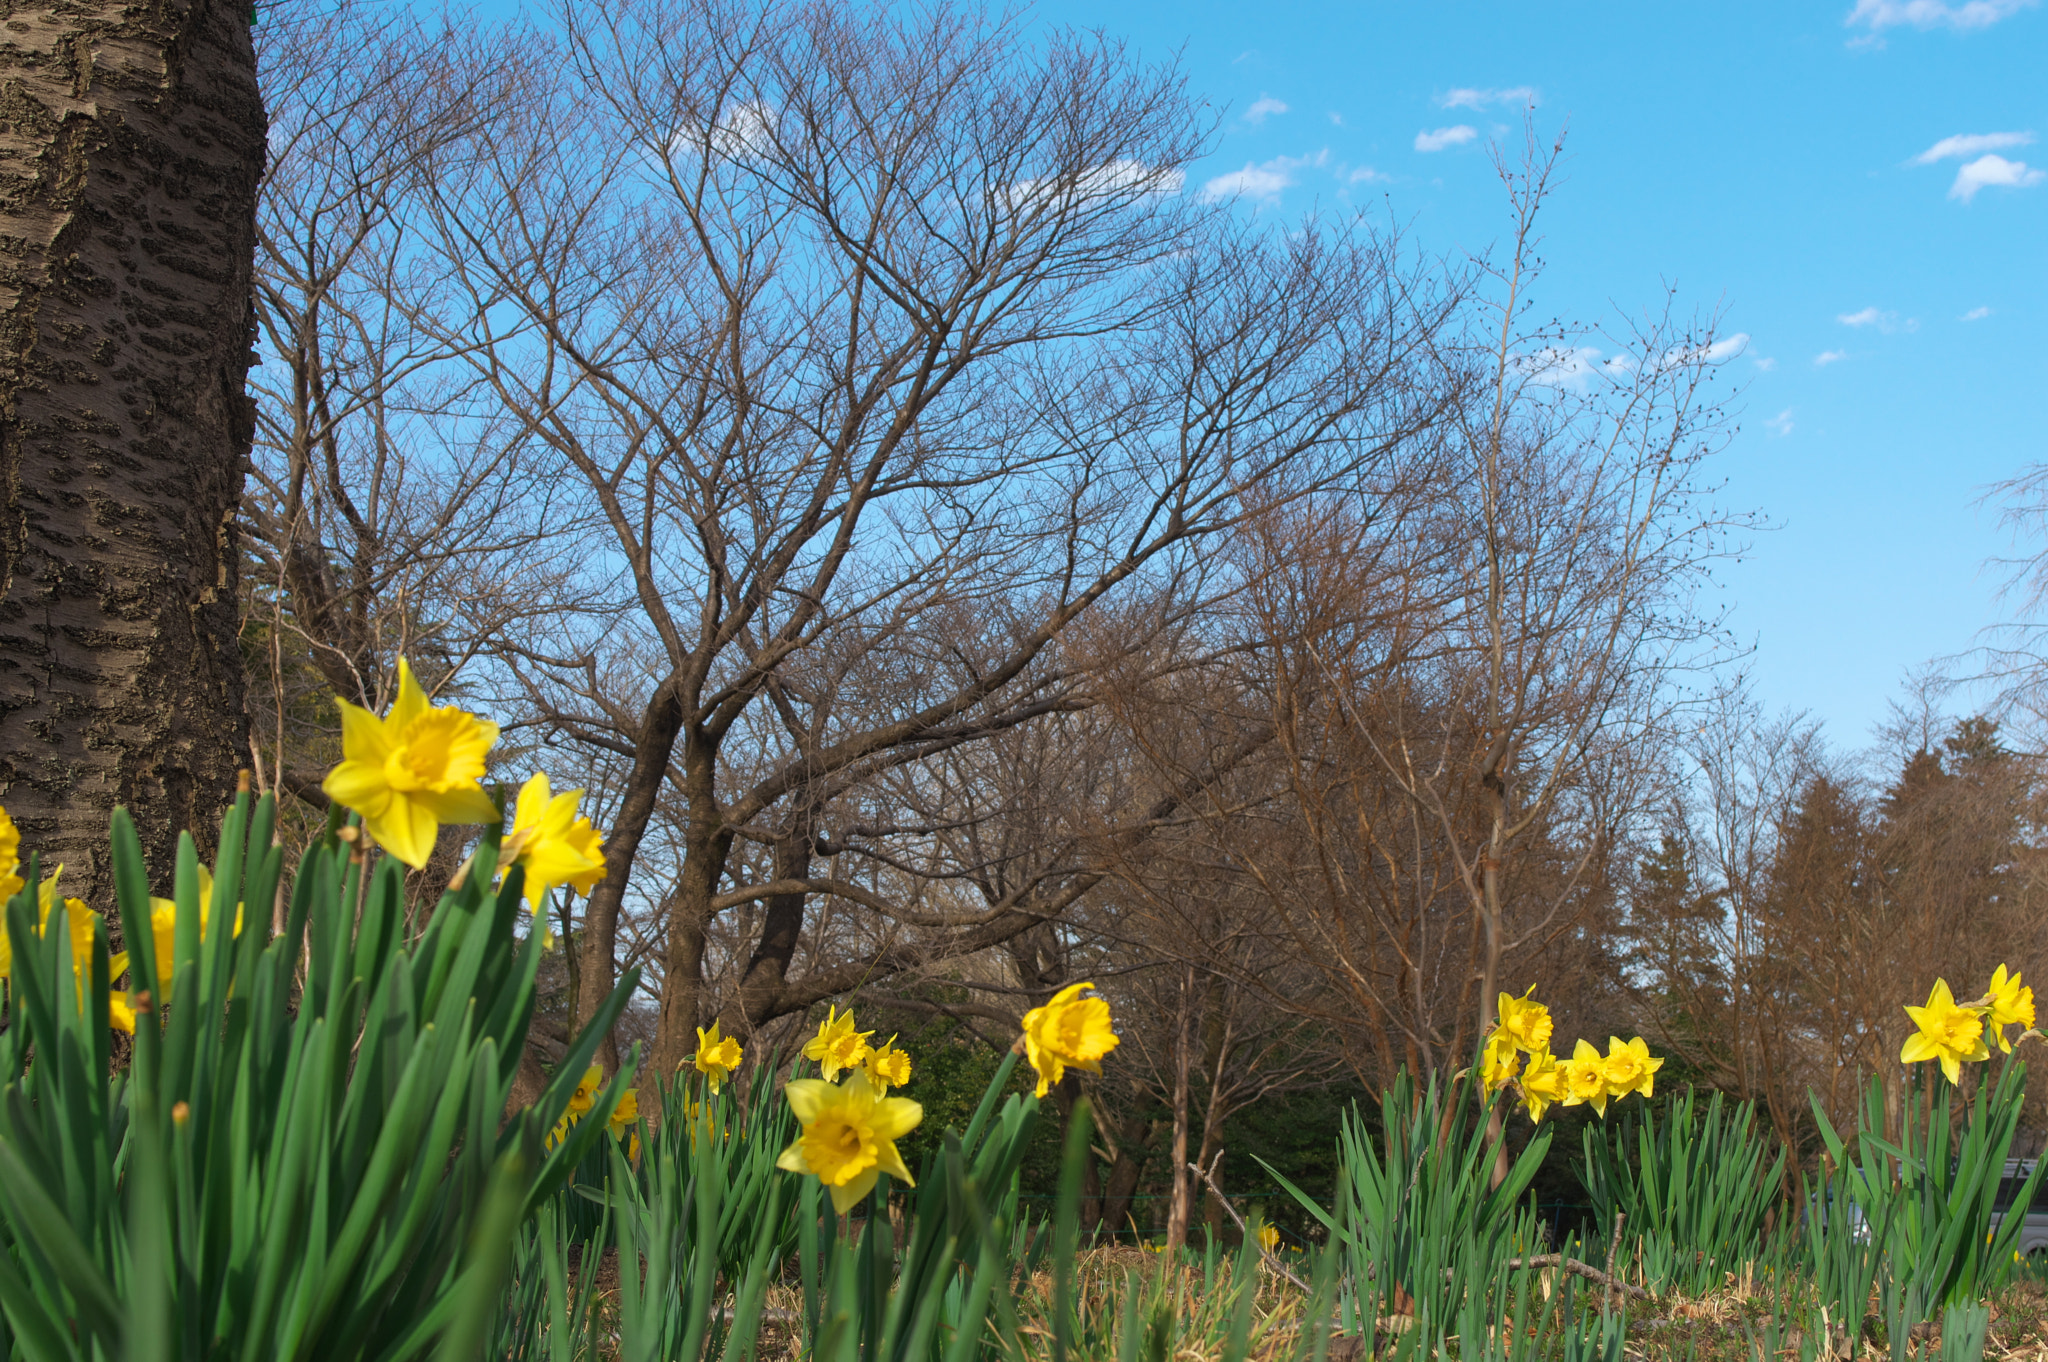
(1993, 170)
(1522, 96)
(1716, 352)
(1123, 178)
(1263, 181)
(1559, 366)
(1765, 364)
(1336, 118)
(1827, 357)
(1574, 367)
(1887, 322)
(747, 129)
(1975, 314)
(1781, 424)
(1366, 175)
(1878, 15)
(1725, 349)
(1970, 144)
(1264, 107)
(1444, 137)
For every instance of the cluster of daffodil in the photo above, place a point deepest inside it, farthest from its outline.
(1588, 1078)
(422, 765)
(850, 1129)
(1953, 1032)
(624, 1114)
(406, 774)
(717, 1056)
(79, 917)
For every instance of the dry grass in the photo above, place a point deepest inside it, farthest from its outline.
(1190, 1310)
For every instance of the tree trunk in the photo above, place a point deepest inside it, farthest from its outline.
(1183, 1063)
(1126, 1172)
(131, 143)
(598, 941)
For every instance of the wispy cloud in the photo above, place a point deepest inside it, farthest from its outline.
(1986, 171)
(1124, 178)
(1366, 175)
(1263, 181)
(1975, 314)
(746, 130)
(1827, 357)
(1781, 424)
(1715, 352)
(1970, 144)
(1879, 15)
(1444, 137)
(1263, 108)
(1521, 96)
(1575, 367)
(1336, 118)
(1886, 322)
(1766, 364)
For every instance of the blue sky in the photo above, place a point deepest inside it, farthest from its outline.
(1764, 158)
(1790, 164)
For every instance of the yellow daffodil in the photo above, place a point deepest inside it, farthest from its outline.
(79, 924)
(1629, 1068)
(1498, 1062)
(2011, 1004)
(837, 1046)
(163, 928)
(580, 1102)
(1269, 1238)
(717, 1056)
(849, 1136)
(1542, 1083)
(412, 770)
(625, 1113)
(699, 1116)
(1948, 1032)
(888, 1067)
(46, 900)
(1525, 1022)
(10, 859)
(1585, 1078)
(1068, 1030)
(554, 843)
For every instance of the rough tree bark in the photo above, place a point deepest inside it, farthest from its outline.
(131, 142)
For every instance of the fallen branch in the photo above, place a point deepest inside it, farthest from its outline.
(1579, 1269)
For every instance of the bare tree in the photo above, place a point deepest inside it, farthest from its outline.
(389, 510)
(880, 352)
(1467, 676)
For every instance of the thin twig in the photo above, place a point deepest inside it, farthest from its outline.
(1271, 1258)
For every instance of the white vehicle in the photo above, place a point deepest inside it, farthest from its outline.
(2034, 1232)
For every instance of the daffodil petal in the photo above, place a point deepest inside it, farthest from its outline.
(457, 806)
(405, 830)
(895, 1117)
(358, 785)
(411, 701)
(807, 1097)
(853, 1193)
